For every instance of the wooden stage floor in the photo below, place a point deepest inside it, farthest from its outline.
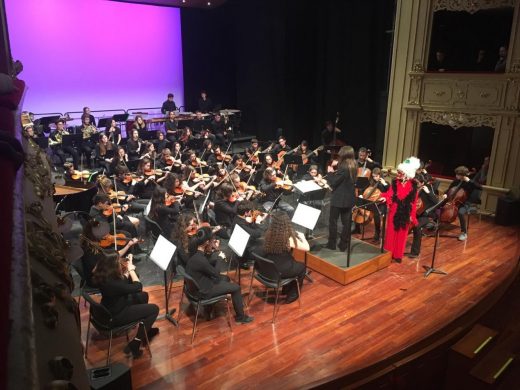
(338, 329)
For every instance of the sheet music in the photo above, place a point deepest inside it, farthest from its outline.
(162, 252)
(238, 240)
(306, 216)
(305, 186)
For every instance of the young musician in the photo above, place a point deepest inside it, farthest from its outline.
(205, 103)
(160, 142)
(462, 180)
(86, 112)
(113, 132)
(165, 216)
(171, 127)
(139, 125)
(56, 144)
(143, 189)
(101, 202)
(168, 105)
(401, 200)
(125, 299)
(187, 223)
(149, 151)
(219, 129)
(429, 199)
(87, 144)
(342, 198)
(225, 209)
(134, 145)
(120, 159)
(211, 282)
(279, 239)
(102, 147)
(271, 186)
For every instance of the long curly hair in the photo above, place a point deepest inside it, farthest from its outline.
(278, 234)
(179, 234)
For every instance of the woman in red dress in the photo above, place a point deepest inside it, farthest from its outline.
(401, 199)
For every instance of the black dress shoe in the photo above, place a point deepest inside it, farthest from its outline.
(396, 260)
(330, 246)
(291, 298)
(412, 255)
(134, 347)
(152, 333)
(342, 248)
(245, 319)
(377, 237)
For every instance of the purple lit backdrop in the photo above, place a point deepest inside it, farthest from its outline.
(96, 53)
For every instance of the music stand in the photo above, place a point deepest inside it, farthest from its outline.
(162, 255)
(148, 135)
(238, 244)
(293, 159)
(195, 143)
(431, 269)
(45, 121)
(132, 165)
(72, 140)
(121, 117)
(103, 122)
(307, 217)
(42, 142)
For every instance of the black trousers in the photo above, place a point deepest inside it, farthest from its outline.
(296, 269)
(140, 309)
(346, 216)
(86, 148)
(417, 234)
(224, 286)
(62, 151)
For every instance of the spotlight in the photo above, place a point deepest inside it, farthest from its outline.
(209, 3)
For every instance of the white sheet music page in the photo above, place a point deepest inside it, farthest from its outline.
(163, 252)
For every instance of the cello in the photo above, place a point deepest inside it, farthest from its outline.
(456, 197)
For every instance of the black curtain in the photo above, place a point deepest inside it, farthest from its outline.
(293, 65)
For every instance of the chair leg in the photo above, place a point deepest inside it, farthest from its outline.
(249, 297)
(229, 315)
(299, 293)
(88, 333)
(275, 303)
(109, 348)
(180, 309)
(146, 338)
(195, 323)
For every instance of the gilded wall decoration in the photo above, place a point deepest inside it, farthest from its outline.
(470, 6)
(458, 119)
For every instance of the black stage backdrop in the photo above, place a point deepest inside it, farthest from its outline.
(293, 65)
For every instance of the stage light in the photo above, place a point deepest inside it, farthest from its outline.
(209, 3)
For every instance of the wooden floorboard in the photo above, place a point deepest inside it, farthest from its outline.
(338, 330)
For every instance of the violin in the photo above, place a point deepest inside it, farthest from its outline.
(178, 190)
(201, 178)
(224, 157)
(284, 185)
(170, 161)
(119, 239)
(255, 216)
(199, 163)
(78, 175)
(153, 172)
(192, 230)
(170, 199)
(119, 195)
(114, 208)
(128, 178)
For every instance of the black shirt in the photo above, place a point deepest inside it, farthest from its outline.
(342, 188)
(225, 212)
(205, 105)
(168, 106)
(115, 294)
(203, 272)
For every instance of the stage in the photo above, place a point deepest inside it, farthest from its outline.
(340, 333)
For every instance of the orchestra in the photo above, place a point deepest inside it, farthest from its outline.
(196, 187)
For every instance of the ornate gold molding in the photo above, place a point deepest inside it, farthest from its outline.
(458, 119)
(36, 171)
(470, 6)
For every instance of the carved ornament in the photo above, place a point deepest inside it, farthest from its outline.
(458, 119)
(470, 6)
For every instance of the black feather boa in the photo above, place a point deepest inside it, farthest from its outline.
(404, 207)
